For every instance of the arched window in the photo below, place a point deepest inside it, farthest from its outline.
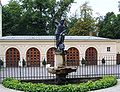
(91, 56)
(50, 56)
(12, 57)
(72, 57)
(33, 57)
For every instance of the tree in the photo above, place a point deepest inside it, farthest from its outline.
(11, 17)
(33, 17)
(117, 27)
(98, 19)
(109, 27)
(58, 10)
(85, 24)
(70, 23)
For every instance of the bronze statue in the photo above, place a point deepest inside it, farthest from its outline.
(60, 35)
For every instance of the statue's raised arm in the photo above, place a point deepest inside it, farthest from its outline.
(60, 35)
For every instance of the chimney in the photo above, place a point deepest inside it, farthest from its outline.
(0, 19)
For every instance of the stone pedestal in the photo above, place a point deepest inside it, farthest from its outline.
(59, 61)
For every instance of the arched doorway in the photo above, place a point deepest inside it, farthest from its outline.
(50, 56)
(12, 57)
(33, 57)
(91, 56)
(72, 57)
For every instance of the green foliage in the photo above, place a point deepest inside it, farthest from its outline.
(85, 24)
(24, 63)
(71, 23)
(103, 61)
(33, 17)
(83, 61)
(44, 62)
(109, 26)
(11, 15)
(105, 82)
(1, 63)
(106, 26)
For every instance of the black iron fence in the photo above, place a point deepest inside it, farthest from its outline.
(103, 67)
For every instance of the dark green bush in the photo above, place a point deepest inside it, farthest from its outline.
(103, 61)
(23, 62)
(105, 82)
(1, 63)
(83, 61)
(44, 62)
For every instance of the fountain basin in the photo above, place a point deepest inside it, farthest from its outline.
(61, 73)
(62, 70)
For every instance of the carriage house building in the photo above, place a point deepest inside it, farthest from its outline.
(35, 49)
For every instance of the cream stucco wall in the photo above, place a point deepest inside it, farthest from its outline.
(118, 46)
(100, 46)
(23, 46)
(44, 45)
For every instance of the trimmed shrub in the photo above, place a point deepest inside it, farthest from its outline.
(1, 63)
(105, 82)
(103, 61)
(44, 62)
(23, 63)
(83, 61)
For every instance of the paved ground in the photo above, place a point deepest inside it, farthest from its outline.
(3, 89)
(116, 88)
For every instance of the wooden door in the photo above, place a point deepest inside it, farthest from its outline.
(12, 57)
(51, 56)
(91, 56)
(118, 58)
(72, 57)
(33, 57)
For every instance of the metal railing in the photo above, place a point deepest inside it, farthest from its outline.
(102, 68)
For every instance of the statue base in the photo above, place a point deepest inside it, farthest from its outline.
(59, 59)
(60, 69)
(61, 73)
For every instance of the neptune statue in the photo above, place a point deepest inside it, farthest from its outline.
(60, 35)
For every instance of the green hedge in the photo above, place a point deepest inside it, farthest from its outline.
(105, 82)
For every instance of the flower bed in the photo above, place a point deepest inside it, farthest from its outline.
(105, 82)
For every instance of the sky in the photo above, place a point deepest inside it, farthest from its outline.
(100, 7)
